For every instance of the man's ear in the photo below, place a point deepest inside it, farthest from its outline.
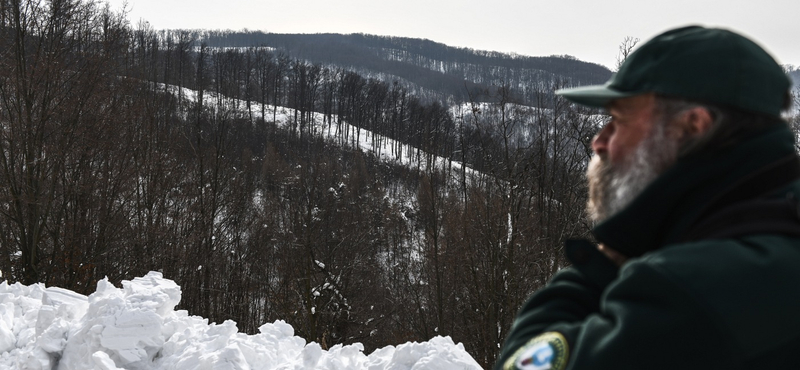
(694, 122)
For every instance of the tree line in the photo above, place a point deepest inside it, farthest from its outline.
(431, 70)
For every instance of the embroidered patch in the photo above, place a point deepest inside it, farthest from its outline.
(548, 351)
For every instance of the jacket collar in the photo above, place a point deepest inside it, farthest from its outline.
(679, 197)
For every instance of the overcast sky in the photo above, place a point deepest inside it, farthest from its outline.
(590, 30)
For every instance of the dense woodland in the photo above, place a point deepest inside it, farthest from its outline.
(430, 70)
(109, 169)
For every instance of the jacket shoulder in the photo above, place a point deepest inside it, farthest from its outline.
(748, 285)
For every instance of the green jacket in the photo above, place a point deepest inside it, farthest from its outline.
(704, 303)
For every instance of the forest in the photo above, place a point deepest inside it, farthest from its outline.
(126, 149)
(423, 67)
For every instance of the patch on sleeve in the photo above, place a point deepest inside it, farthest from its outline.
(548, 351)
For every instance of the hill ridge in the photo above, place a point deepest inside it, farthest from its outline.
(431, 69)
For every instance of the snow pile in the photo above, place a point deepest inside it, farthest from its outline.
(137, 327)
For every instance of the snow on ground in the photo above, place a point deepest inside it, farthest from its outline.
(137, 327)
(367, 141)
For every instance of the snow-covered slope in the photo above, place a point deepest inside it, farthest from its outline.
(382, 147)
(137, 327)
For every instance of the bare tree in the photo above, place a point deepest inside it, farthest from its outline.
(625, 49)
(60, 59)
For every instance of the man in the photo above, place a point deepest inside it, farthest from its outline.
(692, 190)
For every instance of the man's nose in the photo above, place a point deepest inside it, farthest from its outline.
(600, 141)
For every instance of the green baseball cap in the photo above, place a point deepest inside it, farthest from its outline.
(696, 63)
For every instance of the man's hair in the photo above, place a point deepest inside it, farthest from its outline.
(729, 126)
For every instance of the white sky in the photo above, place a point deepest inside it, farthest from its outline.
(590, 30)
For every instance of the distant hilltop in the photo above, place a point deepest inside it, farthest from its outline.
(423, 66)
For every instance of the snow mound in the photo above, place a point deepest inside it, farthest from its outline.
(137, 328)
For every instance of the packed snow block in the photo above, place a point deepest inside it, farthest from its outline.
(59, 307)
(311, 355)
(22, 346)
(8, 340)
(54, 338)
(25, 301)
(439, 353)
(133, 335)
(210, 346)
(103, 362)
(275, 344)
(126, 325)
(153, 292)
(33, 359)
(14, 305)
(344, 357)
(70, 305)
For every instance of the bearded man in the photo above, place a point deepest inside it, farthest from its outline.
(693, 190)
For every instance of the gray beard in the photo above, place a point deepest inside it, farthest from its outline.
(613, 187)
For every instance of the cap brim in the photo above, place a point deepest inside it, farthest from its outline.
(594, 96)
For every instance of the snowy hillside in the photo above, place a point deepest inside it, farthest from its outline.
(136, 327)
(359, 138)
